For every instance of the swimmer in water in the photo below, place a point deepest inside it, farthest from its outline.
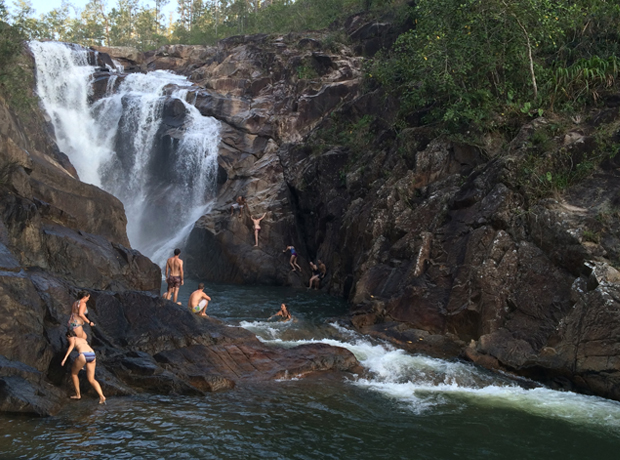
(198, 301)
(86, 357)
(284, 313)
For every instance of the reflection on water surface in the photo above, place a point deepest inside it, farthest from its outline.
(404, 407)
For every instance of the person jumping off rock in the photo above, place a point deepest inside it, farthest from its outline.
(293, 260)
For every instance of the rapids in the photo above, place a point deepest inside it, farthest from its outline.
(403, 406)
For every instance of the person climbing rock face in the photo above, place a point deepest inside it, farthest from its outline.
(86, 357)
(174, 275)
(316, 276)
(78, 315)
(239, 205)
(256, 221)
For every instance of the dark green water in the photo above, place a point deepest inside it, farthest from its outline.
(411, 407)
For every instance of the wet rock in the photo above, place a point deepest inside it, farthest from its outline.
(24, 390)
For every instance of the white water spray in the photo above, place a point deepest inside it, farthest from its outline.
(165, 174)
(426, 385)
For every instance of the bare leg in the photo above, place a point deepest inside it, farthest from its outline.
(90, 374)
(296, 264)
(77, 365)
(203, 312)
(312, 280)
(176, 294)
(168, 294)
(291, 262)
(256, 237)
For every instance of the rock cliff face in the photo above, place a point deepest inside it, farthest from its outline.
(59, 235)
(437, 245)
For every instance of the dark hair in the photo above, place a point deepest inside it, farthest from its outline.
(177, 251)
(201, 286)
(82, 294)
(70, 333)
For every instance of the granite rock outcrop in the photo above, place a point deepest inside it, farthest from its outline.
(438, 245)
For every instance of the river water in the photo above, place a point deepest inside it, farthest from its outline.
(405, 407)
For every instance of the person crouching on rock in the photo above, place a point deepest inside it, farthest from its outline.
(174, 275)
(284, 313)
(198, 301)
(86, 357)
(78, 315)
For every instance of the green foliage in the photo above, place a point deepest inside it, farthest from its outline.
(548, 168)
(15, 79)
(140, 23)
(466, 61)
(591, 236)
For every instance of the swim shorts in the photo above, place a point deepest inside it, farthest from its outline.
(198, 308)
(173, 282)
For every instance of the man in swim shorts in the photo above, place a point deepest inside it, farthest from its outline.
(238, 205)
(198, 301)
(174, 275)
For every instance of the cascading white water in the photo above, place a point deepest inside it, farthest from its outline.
(424, 384)
(164, 174)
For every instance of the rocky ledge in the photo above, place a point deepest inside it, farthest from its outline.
(59, 235)
(439, 246)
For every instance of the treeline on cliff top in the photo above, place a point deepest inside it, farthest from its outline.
(463, 64)
(143, 24)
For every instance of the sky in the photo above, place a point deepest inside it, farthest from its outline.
(44, 6)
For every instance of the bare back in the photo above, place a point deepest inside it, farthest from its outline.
(81, 345)
(174, 266)
(196, 297)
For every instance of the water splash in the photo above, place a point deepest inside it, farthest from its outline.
(141, 141)
(421, 384)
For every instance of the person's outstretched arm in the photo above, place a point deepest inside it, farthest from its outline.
(71, 345)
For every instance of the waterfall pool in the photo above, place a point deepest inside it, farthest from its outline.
(405, 407)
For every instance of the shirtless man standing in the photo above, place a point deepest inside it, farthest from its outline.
(257, 227)
(174, 275)
(198, 301)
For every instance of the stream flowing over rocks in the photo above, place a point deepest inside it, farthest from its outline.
(435, 245)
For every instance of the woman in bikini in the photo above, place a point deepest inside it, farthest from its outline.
(284, 313)
(293, 260)
(86, 357)
(316, 276)
(78, 315)
(257, 227)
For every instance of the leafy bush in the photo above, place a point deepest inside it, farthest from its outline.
(466, 61)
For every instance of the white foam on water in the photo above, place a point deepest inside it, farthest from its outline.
(423, 384)
(115, 143)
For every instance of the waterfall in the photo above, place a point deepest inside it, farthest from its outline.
(140, 141)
